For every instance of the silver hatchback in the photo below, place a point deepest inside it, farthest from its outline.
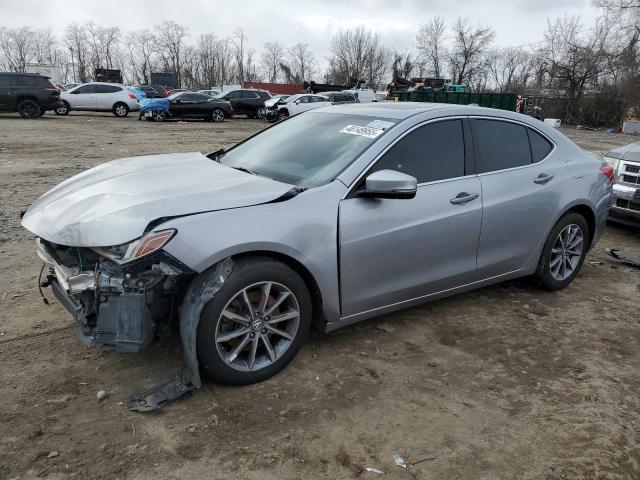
(327, 218)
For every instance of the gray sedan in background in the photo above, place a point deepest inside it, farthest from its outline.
(328, 218)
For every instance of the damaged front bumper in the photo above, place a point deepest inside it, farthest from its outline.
(114, 305)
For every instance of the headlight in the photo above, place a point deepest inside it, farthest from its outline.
(614, 163)
(149, 243)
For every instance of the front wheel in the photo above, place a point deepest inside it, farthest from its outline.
(282, 114)
(564, 252)
(120, 110)
(255, 324)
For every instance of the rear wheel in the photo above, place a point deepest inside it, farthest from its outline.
(120, 109)
(63, 109)
(255, 324)
(29, 109)
(564, 252)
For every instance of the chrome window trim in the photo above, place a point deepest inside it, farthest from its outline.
(388, 147)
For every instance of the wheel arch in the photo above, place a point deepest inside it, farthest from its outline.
(319, 319)
(589, 215)
(24, 97)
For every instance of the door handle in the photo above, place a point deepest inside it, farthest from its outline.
(542, 179)
(464, 197)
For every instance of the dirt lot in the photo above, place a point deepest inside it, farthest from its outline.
(506, 382)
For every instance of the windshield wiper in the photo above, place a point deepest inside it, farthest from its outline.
(246, 170)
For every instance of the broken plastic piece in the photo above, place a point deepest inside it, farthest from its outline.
(624, 260)
(373, 470)
(157, 396)
(399, 460)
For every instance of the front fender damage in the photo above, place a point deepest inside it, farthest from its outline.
(201, 290)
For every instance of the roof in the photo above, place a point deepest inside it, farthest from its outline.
(397, 110)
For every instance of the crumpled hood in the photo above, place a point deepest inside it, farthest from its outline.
(114, 202)
(630, 152)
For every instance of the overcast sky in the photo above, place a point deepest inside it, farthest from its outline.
(310, 21)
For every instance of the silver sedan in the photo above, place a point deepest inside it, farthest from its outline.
(328, 218)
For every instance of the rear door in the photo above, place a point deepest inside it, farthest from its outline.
(395, 250)
(107, 96)
(521, 187)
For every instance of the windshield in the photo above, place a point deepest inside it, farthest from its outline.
(307, 150)
(173, 96)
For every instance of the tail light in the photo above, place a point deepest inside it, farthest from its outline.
(132, 96)
(609, 172)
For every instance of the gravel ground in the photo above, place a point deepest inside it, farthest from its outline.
(502, 383)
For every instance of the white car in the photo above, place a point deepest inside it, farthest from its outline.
(99, 97)
(364, 94)
(299, 103)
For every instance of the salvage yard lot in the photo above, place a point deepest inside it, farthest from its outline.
(504, 382)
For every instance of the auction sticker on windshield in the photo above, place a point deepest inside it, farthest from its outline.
(362, 131)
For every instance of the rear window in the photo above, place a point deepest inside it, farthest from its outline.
(540, 146)
(500, 145)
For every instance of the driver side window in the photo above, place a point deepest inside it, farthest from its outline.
(429, 153)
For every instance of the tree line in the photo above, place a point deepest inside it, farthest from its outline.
(570, 60)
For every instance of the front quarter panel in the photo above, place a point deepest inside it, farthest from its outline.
(303, 228)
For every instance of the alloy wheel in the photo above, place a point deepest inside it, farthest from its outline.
(121, 110)
(217, 115)
(566, 252)
(257, 326)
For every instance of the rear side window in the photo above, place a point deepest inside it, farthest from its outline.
(4, 81)
(107, 89)
(26, 81)
(500, 145)
(86, 89)
(540, 146)
(429, 153)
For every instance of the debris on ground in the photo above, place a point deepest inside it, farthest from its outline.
(399, 460)
(53, 454)
(373, 470)
(101, 394)
(385, 327)
(624, 260)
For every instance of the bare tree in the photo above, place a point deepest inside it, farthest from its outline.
(272, 55)
(17, 47)
(574, 59)
(77, 42)
(403, 65)
(170, 42)
(141, 46)
(511, 69)
(430, 42)
(303, 62)
(467, 58)
(357, 55)
(239, 44)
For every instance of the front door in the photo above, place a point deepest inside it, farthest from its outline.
(395, 250)
(83, 98)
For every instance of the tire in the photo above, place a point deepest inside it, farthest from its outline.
(557, 260)
(251, 115)
(63, 110)
(120, 110)
(29, 109)
(217, 115)
(282, 114)
(159, 116)
(252, 275)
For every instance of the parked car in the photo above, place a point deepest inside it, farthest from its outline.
(176, 90)
(338, 98)
(625, 161)
(247, 101)
(29, 94)
(295, 104)
(153, 91)
(329, 217)
(99, 97)
(211, 93)
(363, 94)
(69, 86)
(191, 105)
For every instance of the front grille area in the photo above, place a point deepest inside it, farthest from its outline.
(628, 204)
(632, 168)
(631, 179)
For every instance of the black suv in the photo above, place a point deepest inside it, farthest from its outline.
(246, 101)
(28, 94)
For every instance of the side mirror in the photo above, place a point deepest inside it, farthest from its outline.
(389, 184)
(297, 102)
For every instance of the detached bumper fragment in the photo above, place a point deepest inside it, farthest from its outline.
(624, 260)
